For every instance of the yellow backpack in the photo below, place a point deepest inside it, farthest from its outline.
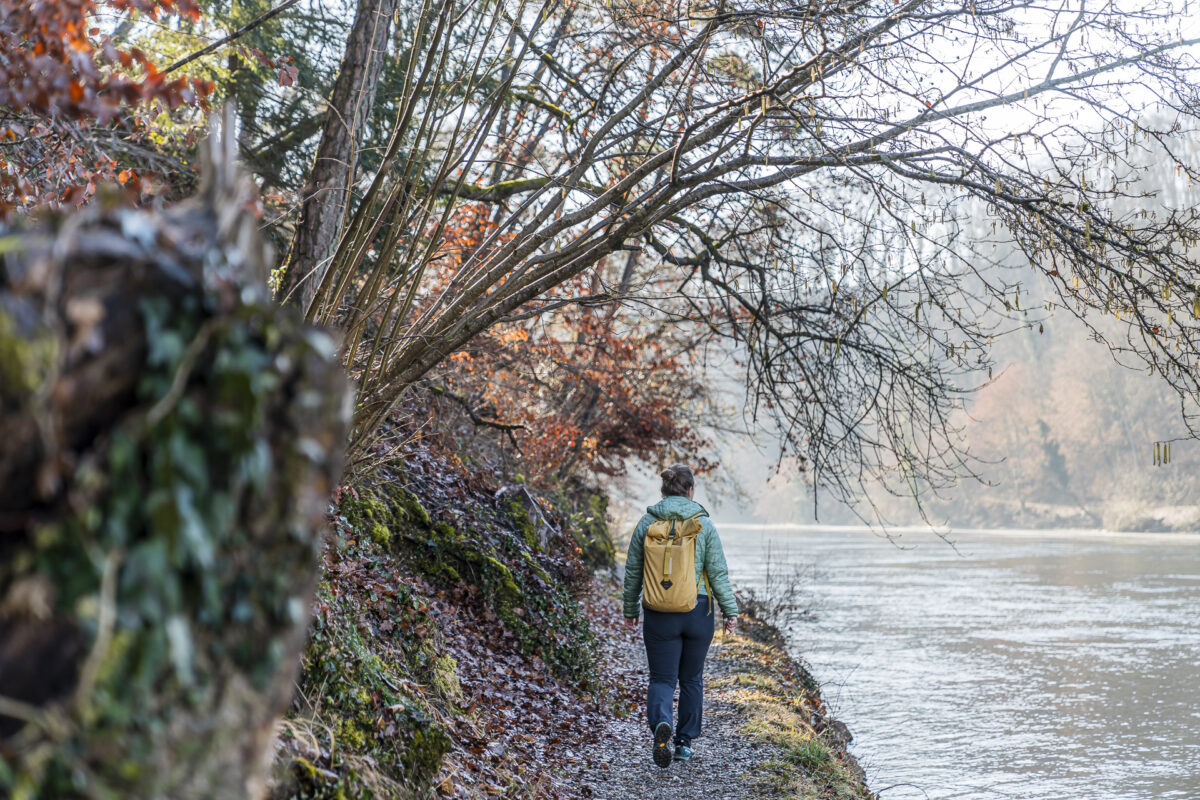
(669, 565)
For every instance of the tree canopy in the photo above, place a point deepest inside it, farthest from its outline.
(815, 190)
(800, 175)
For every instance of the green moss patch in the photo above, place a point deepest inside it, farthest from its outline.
(24, 362)
(781, 706)
(483, 546)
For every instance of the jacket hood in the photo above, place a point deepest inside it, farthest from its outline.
(675, 507)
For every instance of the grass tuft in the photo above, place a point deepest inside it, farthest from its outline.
(780, 705)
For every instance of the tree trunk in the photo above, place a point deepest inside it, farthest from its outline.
(326, 194)
(172, 437)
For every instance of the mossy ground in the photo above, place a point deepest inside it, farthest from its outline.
(781, 705)
(438, 619)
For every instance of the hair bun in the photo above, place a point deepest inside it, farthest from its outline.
(677, 479)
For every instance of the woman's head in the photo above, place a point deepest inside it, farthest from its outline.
(677, 480)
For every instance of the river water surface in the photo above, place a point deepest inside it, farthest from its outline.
(1039, 666)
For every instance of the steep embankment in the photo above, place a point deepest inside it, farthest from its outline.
(448, 653)
(467, 643)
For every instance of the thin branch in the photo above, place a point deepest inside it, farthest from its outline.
(473, 415)
(233, 37)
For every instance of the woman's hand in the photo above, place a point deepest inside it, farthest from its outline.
(631, 622)
(730, 626)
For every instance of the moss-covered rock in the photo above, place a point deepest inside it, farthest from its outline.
(368, 728)
(519, 514)
(384, 510)
(584, 515)
(589, 528)
(164, 573)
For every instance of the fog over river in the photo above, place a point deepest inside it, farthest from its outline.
(1030, 665)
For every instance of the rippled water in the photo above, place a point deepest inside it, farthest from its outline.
(1039, 666)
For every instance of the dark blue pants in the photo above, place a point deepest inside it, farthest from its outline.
(676, 645)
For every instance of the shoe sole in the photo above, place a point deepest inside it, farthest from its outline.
(663, 755)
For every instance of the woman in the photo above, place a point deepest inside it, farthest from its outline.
(677, 643)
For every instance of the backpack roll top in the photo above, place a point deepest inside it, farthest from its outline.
(669, 564)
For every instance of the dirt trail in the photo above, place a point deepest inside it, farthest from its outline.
(726, 763)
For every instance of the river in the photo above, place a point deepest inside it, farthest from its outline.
(1017, 664)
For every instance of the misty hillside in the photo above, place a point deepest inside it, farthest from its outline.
(1063, 436)
(1069, 438)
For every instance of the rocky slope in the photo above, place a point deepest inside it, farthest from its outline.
(448, 653)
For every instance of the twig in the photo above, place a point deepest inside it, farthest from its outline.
(104, 627)
(587, 302)
(16, 709)
(239, 33)
(179, 380)
(474, 416)
(51, 721)
(462, 401)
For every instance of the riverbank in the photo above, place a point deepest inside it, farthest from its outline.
(1111, 515)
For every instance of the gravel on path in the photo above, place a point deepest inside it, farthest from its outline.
(728, 763)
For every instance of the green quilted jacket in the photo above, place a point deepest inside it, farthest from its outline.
(709, 555)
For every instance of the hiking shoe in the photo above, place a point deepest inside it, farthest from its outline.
(683, 752)
(662, 738)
